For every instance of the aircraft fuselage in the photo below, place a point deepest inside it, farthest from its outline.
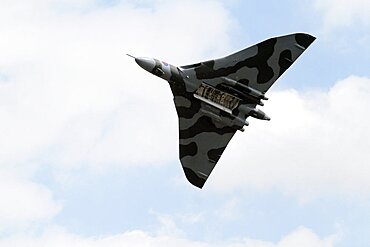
(230, 96)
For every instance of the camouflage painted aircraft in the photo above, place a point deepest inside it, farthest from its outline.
(214, 98)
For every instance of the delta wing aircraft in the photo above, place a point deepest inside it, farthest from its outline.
(214, 98)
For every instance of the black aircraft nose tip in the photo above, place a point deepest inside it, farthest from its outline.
(138, 59)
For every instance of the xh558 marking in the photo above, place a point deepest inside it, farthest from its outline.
(214, 98)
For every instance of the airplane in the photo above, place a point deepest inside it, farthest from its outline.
(214, 98)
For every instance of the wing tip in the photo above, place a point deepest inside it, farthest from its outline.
(304, 39)
(193, 178)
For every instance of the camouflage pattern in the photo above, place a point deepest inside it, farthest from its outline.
(214, 98)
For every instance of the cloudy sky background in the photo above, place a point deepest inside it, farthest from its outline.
(88, 140)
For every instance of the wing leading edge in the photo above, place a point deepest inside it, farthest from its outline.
(258, 66)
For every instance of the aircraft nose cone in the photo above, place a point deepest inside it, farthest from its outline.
(145, 63)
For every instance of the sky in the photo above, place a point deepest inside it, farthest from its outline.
(88, 140)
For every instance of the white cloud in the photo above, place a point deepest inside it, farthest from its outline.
(316, 144)
(69, 96)
(307, 238)
(24, 202)
(339, 13)
(230, 210)
(59, 237)
(73, 98)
